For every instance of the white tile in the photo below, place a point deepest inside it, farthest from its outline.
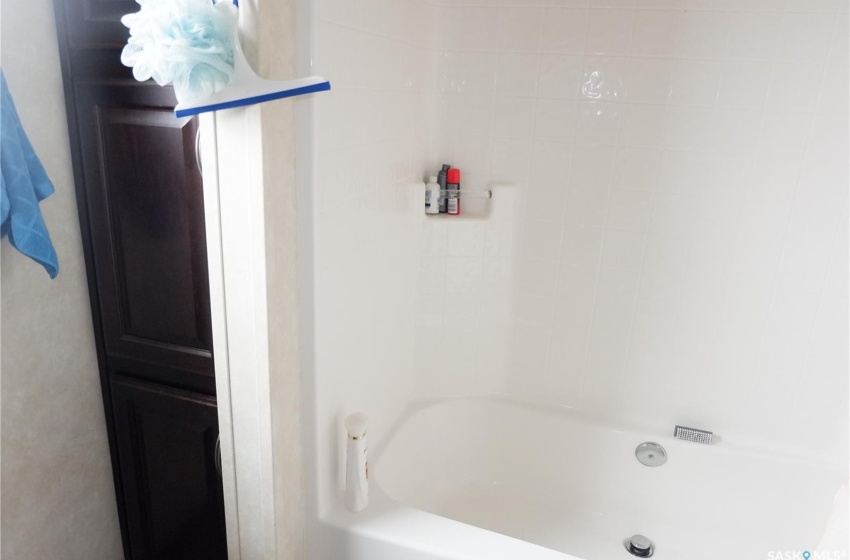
(546, 205)
(565, 365)
(688, 128)
(824, 376)
(835, 91)
(432, 276)
(470, 154)
(732, 131)
(499, 239)
(533, 312)
(793, 312)
(464, 275)
(587, 206)
(703, 34)
(839, 52)
(563, 31)
(509, 159)
(572, 318)
(559, 76)
(791, 87)
(696, 82)
(649, 80)
(783, 136)
(753, 35)
(592, 166)
(498, 283)
(635, 168)
(468, 28)
(576, 282)
(555, 119)
(465, 240)
(603, 78)
(470, 114)
(629, 210)
(642, 126)
(612, 327)
(456, 375)
(623, 250)
(520, 29)
(663, 255)
(604, 376)
(744, 84)
(598, 123)
(805, 37)
(541, 240)
(529, 366)
(537, 277)
(609, 31)
(658, 295)
(466, 72)
(738, 344)
(582, 247)
(783, 351)
(434, 239)
(550, 165)
(812, 5)
(772, 399)
(513, 117)
(656, 32)
(516, 74)
(460, 311)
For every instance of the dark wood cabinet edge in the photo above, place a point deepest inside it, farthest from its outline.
(85, 231)
(121, 379)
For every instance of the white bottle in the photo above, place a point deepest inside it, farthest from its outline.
(357, 463)
(432, 196)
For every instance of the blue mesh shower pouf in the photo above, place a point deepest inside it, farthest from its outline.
(23, 184)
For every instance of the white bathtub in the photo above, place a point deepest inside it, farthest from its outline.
(494, 479)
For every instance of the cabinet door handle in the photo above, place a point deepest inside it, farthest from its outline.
(198, 159)
(218, 454)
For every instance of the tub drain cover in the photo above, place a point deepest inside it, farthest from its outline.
(640, 546)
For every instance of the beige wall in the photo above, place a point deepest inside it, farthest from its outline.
(58, 499)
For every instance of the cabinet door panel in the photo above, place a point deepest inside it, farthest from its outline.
(145, 199)
(167, 443)
(96, 24)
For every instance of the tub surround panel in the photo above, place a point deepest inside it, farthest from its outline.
(372, 132)
(677, 230)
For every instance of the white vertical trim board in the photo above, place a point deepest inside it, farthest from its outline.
(218, 315)
(236, 247)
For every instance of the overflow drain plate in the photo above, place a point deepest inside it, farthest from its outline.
(651, 454)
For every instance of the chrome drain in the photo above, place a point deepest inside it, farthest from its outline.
(651, 454)
(640, 546)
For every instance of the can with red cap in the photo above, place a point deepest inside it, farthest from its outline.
(453, 186)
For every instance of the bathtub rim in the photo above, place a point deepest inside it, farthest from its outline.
(747, 447)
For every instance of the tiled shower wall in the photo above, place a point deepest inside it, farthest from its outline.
(372, 132)
(673, 244)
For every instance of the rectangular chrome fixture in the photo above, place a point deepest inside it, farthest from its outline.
(692, 434)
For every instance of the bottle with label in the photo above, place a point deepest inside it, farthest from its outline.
(356, 463)
(452, 186)
(432, 196)
(442, 177)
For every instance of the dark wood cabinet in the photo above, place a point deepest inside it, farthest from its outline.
(140, 200)
(168, 438)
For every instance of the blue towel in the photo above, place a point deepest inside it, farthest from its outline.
(23, 184)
